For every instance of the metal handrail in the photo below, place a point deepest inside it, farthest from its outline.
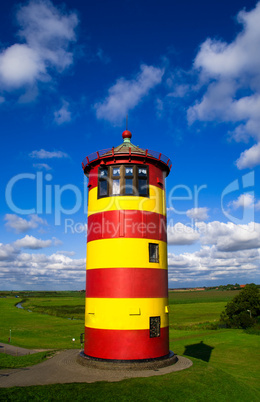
(147, 153)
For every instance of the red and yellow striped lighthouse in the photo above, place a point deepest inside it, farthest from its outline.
(126, 315)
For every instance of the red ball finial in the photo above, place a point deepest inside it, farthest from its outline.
(126, 134)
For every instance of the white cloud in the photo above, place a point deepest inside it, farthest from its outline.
(231, 74)
(42, 166)
(199, 214)
(56, 271)
(63, 115)
(21, 225)
(42, 154)
(210, 264)
(244, 201)
(7, 252)
(249, 158)
(125, 95)
(230, 237)
(181, 234)
(46, 34)
(20, 65)
(32, 243)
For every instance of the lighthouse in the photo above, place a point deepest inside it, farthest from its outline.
(127, 312)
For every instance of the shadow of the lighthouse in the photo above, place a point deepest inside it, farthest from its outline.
(199, 351)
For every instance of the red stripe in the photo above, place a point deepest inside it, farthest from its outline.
(156, 175)
(127, 223)
(127, 282)
(125, 344)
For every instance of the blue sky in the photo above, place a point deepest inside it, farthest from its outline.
(188, 75)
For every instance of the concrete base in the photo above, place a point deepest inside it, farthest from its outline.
(148, 364)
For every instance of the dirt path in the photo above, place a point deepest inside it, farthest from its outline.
(63, 368)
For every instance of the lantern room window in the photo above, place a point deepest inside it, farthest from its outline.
(103, 182)
(123, 180)
(129, 179)
(116, 171)
(116, 187)
(115, 181)
(142, 181)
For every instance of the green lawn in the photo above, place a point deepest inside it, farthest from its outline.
(187, 297)
(225, 361)
(8, 361)
(34, 330)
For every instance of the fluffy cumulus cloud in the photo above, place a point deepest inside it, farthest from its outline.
(180, 234)
(45, 37)
(32, 243)
(244, 200)
(19, 269)
(229, 236)
(249, 158)
(230, 72)
(21, 225)
(198, 214)
(209, 264)
(227, 251)
(43, 154)
(56, 271)
(125, 95)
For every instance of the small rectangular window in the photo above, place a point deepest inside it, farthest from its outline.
(103, 173)
(129, 180)
(155, 324)
(142, 172)
(129, 171)
(103, 188)
(129, 186)
(103, 183)
(153, 252)
(142, 187)
(116, 187)
(116, 171)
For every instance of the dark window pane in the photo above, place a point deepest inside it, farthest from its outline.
(103, 187)
(103, 172)
(153, 252)
(129, 186)
(116, 171)
(142, 172)
(116, 187)
(129, 171)
(142, 186)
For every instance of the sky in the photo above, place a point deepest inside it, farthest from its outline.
(188, 76)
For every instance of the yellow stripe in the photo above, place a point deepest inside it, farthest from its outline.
(103, 313)
(155, 203)
(124, 253)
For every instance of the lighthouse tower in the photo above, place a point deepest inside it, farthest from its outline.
(126, 315)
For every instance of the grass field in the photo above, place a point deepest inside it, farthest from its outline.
(225, 362)
(8, 361)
